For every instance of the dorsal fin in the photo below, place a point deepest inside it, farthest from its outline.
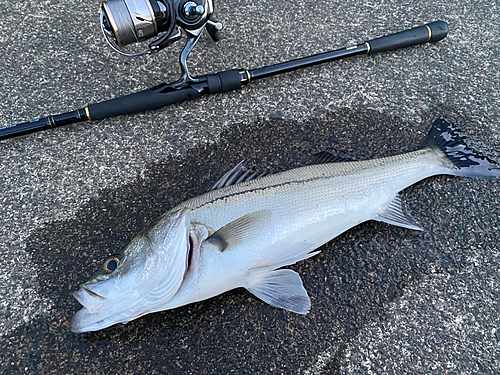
(240, 173)
(329, 156)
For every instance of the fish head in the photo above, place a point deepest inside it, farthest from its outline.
(147, 274)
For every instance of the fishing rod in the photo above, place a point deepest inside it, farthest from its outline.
(171, 17)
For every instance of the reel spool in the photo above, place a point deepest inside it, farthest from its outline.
(126, 22)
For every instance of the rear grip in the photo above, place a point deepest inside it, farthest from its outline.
(431, 32)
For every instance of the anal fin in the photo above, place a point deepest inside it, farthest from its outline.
(280, 288)
(396, 214)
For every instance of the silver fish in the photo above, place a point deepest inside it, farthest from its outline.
(243, 232)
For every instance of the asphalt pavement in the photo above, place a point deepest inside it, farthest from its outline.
(385, 300)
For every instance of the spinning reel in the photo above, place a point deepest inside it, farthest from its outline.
(124, 22)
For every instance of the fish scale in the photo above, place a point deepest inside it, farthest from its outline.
(312, 204)
(243, 234)
(318, 185)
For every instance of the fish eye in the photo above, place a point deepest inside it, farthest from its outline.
(111, 263)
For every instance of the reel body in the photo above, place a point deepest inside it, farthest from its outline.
(125, 22)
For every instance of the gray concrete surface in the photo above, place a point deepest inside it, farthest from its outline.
(385, 300)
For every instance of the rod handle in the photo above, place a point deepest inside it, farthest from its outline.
(165, 94)
(147, 100)
(431, 32)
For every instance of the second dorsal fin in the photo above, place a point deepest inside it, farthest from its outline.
(329, 156)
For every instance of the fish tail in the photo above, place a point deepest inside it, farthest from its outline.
(466, 162)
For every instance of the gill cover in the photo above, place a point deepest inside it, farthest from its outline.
(171, 242)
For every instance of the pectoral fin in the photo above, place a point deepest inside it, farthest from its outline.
(240, 230)
(280, 288)
(396, 214)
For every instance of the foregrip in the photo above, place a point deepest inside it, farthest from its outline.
(432, 32)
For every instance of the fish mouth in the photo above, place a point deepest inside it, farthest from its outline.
(100, 307)
(89, 299)
(92, 295)
(90, 317)
(85, 321)
(79, 323)
(86, 317)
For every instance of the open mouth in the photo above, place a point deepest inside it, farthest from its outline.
(89, 318)
(89, 298)
(91, 295)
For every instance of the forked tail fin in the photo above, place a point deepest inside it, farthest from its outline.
(466, 161)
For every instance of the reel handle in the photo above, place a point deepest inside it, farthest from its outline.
(213, 27)
(431, 32)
